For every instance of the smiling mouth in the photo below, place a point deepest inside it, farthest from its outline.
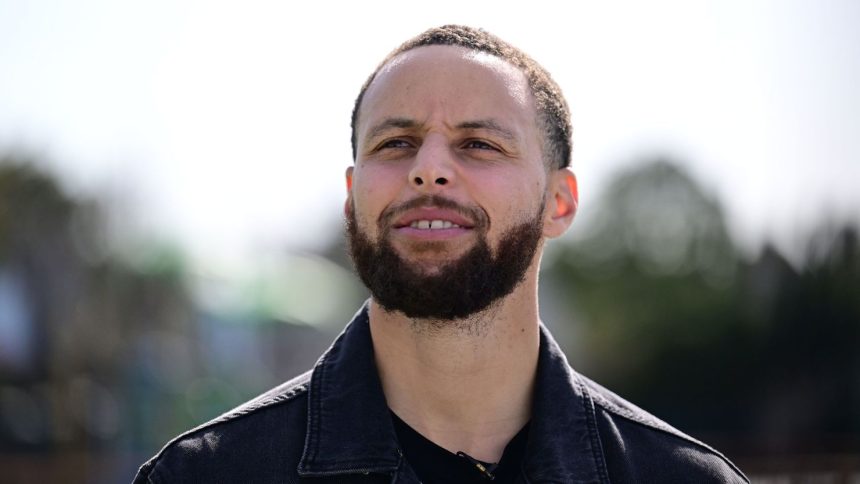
(432, 216)
(433, 224)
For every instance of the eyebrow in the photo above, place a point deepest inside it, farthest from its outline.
(406, 123)
(489, 125)
(389, 123)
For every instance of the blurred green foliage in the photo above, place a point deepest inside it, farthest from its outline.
(752, 354)
(104, 349)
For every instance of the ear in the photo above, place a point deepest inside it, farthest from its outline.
(348, 201)
(562, 203)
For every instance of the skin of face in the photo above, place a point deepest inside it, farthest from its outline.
(459, 124)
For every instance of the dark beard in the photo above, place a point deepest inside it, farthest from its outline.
(460, 288)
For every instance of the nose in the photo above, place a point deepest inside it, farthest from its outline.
(434, 165)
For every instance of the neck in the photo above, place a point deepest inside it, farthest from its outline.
(466, 384)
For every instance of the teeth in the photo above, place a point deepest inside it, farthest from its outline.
(433, 224)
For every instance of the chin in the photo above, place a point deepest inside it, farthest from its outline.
(431, 260)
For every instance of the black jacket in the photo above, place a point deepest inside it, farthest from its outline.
(332, 425)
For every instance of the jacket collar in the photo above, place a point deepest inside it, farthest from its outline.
(349, 426)
(563, 442)
(350, 430)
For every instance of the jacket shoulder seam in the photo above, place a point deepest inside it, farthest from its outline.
(653, 423)
(283, 393)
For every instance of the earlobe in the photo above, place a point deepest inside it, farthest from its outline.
(563, 204)
(349, 179)
(568, 200)
(348, 202)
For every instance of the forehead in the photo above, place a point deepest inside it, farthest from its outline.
(449, 81)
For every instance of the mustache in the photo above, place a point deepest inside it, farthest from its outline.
(476, 214)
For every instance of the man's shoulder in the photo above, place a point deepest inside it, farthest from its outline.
(256, 435)
(637, 445)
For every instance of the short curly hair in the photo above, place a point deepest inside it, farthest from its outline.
(552, 110)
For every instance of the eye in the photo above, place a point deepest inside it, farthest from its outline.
(394, 144)
(479, 145)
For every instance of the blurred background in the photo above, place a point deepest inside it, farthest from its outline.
(171, 190)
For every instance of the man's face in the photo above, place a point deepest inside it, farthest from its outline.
(446, 202)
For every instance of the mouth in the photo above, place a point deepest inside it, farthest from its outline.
(432, 222)
(429, 218)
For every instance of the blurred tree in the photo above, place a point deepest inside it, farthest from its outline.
(654, 270)
(105, 348)
(807, 361)
(68, 345)
(756, 357)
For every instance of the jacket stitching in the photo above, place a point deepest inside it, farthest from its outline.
(151, 465)
(611, 407)
(314, 410)
(591, 423)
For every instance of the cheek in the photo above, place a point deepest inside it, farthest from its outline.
(511, 198)
(372, 191)
(379, 177)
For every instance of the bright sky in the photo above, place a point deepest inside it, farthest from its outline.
(225, 125)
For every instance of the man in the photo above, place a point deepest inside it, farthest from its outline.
(461, 146)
